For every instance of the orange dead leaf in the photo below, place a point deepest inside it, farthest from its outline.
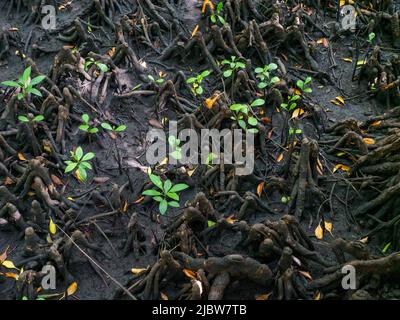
(306, 275)
(296, 113)
(137, 270)
(164, 296)
(341, 167)
(376, 124)
(10, 275)
(207, 3)
(21, 156)
(190, 274)
(323, 41)
(266, 120)
(72, 289)
(280, 157)
(297, 92)
(196, 28)
(139, 200)
(369, 141)
(211, 101)
(263, 296)
(111, 52)
(260, 188)
(126, 206)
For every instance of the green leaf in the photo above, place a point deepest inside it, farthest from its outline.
(82, 173)
(259, 70)
(224, 62)
(236, 107)
(158, 198)
(88, 156)
(120, 128)
(240, 65)
(252, 121)
(272, 66)
(179, 187)
(156, 181)
(38, 118)
(174, 204)
(173, 195)
(102, 67)
(253, 130)
(300, 84)
(94, 130)
(10, 84)
(151, 193)
(86, 165)
(199, 90)
(262, 85)
(70, 167)
(227, 73)
(211, 223)
(167, 185)
(106, 126)
(177, 155)
(20, 96)
(242, 124)
(213, 19)
(36, 92)
(191, 80)
(308, 90)
(220, 6)
(258, 102)
(84, 127)
(275, 80)
(37, 80)
(163, 207)
(23, 119)
(386, 248)
(85, 118)
(205, 73)
(26, 75)
(79, 153)
(222, 20)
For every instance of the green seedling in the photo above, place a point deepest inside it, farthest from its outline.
(25, 119)
(174, 144)
(86, 127)
(217, 14)
(101, 66)
(231, 66)
(304, 85)
(264, 75)
(80, 163)
(195, 82)
(26, 84)
(241, 114)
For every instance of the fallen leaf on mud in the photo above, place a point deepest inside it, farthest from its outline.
(263, 296)
(323, 41)
(329, 227)
(361, 62)
(296, 113)
(266, 120)
(369, 141)
(137, 270)
(156, 124)
(9, 265)
(376, 124)
(56, 180)
(386, 248)
(189, 273)
(111, 52)
(340, 154)
(339, 101)
(135, 164)
(78, 176)
(306, 275)
(341, 167)
(203, 9)
(317, 296)
(364, 240)
(139, 200)
(72, 289)
(260, 188)
(21, 156)
(320, 168)
(52, 227)
(101, 179)
(348, 59)
(8, 181)
(280, 157)
(210, 102)
(190, 172)
(297, 92)
(230, 220)
(10, 275)
(164, 296)
(319, 232)
(125, 207)
(196, 28)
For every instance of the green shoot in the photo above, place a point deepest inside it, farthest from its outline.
(79, 163)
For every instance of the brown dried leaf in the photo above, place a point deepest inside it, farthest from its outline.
(263, 296)
(190, 274)
(260, 188)
(156, 124)
(56, 180)
(306, 275)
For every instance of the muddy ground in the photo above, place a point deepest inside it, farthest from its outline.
(233, 247)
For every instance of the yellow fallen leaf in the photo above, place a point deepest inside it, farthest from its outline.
(317, 296)
(111, 52)
(191, 172)
(72, 289)
(230, 220)
(340, 99)
(306, 275)
(319, 232)
(340, 154)
(70, 199)
(341, 167)
(297, 92)
(376, 123)
(280, 157)
(21, 156)
(361, 62)
(9, 265)
(369, 141)
(196, 28)
(211, 101)
(164, 296)
(205, 3)
(263, 296)
(296, 113)
(260, 188)
(328, 227)
(52, 227)
(348, 59)
(164, 161)
(10, 275)
(190, 274)
(137, 270)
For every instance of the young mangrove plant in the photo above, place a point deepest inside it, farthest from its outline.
(304, 85)
(101, 66)
(264, 75)
(216, 16)
(166, 193)
(241, 114)
(31, 120)
(80, 163)
(26, 84)
(114, 130)
(291, 104)
(232, 66)
(86, 126)
(175, 145)
(196, 81)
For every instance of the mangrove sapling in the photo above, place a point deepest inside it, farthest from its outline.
(25, 119)
(85, 127)
(304, 85)
(167, 195)
(25, 84)
(27, 127)
(114, 131)
(80, 163)
(216, 16)
(264, 75)
(157, 81)
(232, 66)
(100, 66)
(196, 81)
(175, 145)
(241, 114)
